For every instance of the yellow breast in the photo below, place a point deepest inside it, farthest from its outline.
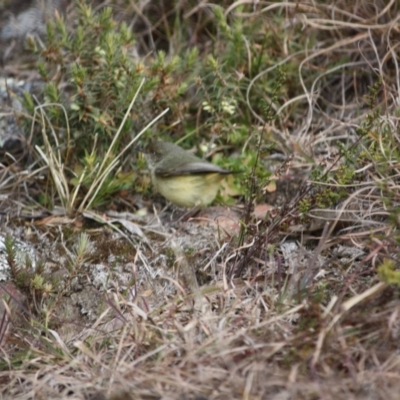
(189, 190)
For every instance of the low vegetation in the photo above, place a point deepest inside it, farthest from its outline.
(293, 292)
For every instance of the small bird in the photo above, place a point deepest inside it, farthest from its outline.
(181, 177)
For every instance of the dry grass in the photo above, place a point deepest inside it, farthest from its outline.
(283, 315)
(240, 343)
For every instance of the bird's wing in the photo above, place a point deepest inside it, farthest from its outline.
(190, 168)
